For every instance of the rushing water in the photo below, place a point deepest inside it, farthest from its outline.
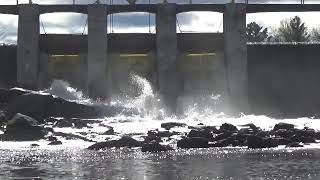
(18, 160)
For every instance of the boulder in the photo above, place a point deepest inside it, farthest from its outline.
(259, 142)
(226, 142)
(201, 133)
(194, 142)
(283, 126)
(162, 134)
(155, 147)
(170, 125)
(52, 138)
(71, 136)
(70, 122)
(294, 145)
(303, 139)
(23, 128)
(42, 106)
(262, 134)
(54, 143)
(222, 136)
(123, 142)
(228, 127)
(284, 133)
(110, 131)
(6, 95)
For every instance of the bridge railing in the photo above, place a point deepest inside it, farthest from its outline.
(170, 1)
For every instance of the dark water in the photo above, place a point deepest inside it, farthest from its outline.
(132, 164)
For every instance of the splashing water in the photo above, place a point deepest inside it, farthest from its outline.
(64, 90)
(195, 109)
(147, 102)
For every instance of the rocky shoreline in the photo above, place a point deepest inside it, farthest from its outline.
(29, 116)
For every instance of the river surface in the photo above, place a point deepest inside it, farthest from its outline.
(227, 163)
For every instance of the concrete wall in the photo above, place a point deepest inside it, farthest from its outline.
(284, 79)
(131, 43)
(8, 66)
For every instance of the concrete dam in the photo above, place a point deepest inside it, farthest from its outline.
(269, 79)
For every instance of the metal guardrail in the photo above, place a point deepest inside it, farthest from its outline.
(179, 1)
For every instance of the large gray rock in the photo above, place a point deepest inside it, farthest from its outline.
(6, 95)
(195, 142)
(123, 142)
(283, 126)
(41, 106)
(23, 128)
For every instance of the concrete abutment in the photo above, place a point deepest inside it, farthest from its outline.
(28, 46)
(234, 28)
(168, 76)
(97, 51)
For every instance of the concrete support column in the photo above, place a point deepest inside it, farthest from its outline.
(97, 51)
(167, 63)
(28, 46)
(234, 28)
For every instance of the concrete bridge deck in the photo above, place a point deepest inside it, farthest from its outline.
(180, 8)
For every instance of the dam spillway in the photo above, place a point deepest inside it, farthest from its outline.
(166, 48)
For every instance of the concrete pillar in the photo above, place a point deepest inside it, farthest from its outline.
(97, 51)
(167, 64)
(28, 46)
(234, 28)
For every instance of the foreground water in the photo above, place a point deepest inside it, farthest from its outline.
(71, 160)
(132, 164)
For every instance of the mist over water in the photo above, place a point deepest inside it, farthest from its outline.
(193, 109)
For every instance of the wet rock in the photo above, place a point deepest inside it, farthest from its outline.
(262, 134)
(306, 132)
(251, 126)
(282, 141)
(170, 125)
(294, 145)
(258, 142)
(23, 128)
(201, 133)
(283, 126)
(228, 127)
(246, 131)
(6, 95)
(110, 131)
(303, 139)
(284, 133)
(34, 145)
(194, 142)
(123, 142)
(226, 142)
(52, 138)
(222, 136)
(155, 147)
(71, 136)
(70, 122)
(54, 143)
(41, 107)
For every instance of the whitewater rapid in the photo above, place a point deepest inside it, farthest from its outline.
(150, 117)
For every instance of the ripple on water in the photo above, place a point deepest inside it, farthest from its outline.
(214, 163)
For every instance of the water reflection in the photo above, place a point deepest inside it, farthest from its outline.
(132, 164)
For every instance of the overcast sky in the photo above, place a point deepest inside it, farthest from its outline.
(139, 22)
